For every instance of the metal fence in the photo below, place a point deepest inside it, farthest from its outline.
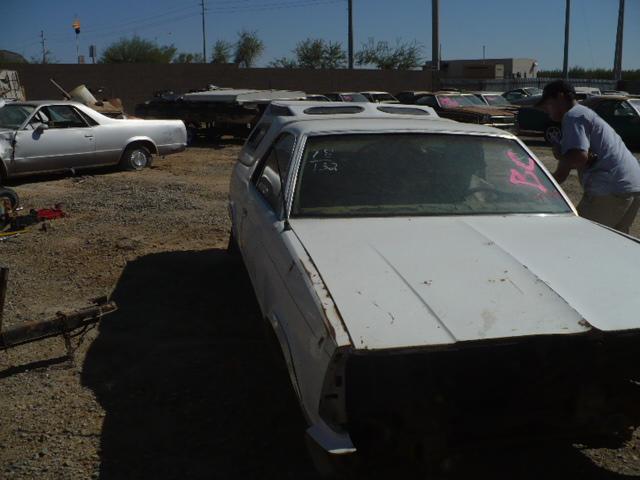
(503, 85)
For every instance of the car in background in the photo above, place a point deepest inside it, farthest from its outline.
(380, 97)
(586, 92)
(622, 113)
(49, 136)
(346, 97)
(410, 271)
(316, 98)
(410, 97)
(519, 93)
(493, 99)
(467, 108)
(617, 93)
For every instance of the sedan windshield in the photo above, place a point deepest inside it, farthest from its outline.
(13, 116)
(403, 174)
(354, 97)
(496, 100)
(636, 104)
(453, 101)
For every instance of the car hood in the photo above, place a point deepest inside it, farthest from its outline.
(427, 281)
(487, 110)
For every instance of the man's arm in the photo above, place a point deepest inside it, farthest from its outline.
(574, 158)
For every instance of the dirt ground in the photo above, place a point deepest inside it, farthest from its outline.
(179, 383)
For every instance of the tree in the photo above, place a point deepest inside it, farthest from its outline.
(283, 62)
(402, 56)
(221, 52)
(314, 54)
(248, 48)
(188, 58)
(7, 56)
(137, 50)
(317, 53)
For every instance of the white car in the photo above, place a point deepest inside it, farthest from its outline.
(428, 281)
(49, 136)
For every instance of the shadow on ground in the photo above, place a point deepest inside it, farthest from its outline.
(192, 390)
(189, 385)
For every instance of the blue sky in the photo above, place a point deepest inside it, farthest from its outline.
(508, 28)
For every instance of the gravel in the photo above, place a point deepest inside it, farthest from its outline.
(179, 383)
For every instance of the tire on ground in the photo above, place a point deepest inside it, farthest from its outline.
(135, 157)
(11, 195)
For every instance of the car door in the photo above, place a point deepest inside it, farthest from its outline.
(262, 225)
(57, 137)
(621, 116)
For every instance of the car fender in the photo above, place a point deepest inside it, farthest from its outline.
(140, 139)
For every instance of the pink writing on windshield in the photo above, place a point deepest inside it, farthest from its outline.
(528, 174)
(448, 102)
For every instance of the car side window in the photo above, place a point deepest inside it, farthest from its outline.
(428, 100)
(257, 135)
(605, 109)
(63, 116)
(273, 170)
(623, 109)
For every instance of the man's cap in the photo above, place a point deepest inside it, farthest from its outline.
(551, 90)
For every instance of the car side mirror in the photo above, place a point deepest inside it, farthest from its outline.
(41, 127)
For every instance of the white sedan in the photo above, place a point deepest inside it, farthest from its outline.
(429, 282)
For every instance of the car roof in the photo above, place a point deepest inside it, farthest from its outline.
(375, 92)
(370, 119)
(486, 93)
(39, 103)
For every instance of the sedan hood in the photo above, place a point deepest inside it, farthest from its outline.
(414, 282)
(482, 110)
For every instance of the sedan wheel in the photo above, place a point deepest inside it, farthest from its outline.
(136, 157)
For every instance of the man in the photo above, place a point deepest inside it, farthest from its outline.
(609, 173)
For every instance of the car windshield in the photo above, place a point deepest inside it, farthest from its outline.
(354, 97)
(636, 104)
(420, 174)
(383, 97)
(497, 100)
(453, 101)
(533, 91)
(13, 116)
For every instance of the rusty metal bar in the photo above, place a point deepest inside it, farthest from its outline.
(62, 90)
(4, 277)
(62, 324)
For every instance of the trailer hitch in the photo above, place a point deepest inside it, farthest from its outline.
(67, 325)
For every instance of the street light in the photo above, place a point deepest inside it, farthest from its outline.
(76, 28)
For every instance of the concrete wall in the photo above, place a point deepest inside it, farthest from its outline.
(135, 83)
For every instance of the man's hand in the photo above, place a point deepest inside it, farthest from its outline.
(562, 171)
(572, 159)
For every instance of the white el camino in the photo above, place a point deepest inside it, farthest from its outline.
(429, 283)
(50, 136)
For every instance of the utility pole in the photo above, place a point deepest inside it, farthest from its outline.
(435, 35)
(204, 34)
(567, 21)
(617, 62)
(44, 47)
(350, 43)
(484, 52)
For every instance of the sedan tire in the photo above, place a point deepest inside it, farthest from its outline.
(135, 157)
